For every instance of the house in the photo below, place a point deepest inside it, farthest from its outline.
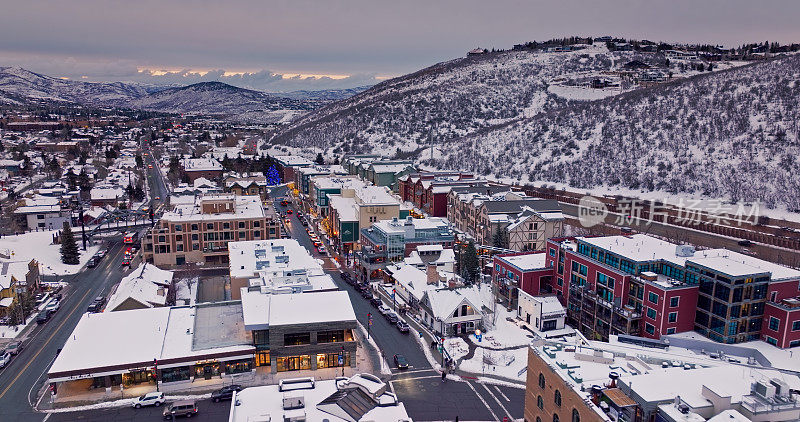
(443, 258)
(144, 287)
(43, 213)
(287, 166)
(17, 277)
(428, 191)
(452, 311)
(246, 184)
(532, 227)
(545, 313)
(477, 52)
(106, 196)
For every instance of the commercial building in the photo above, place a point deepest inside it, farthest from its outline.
(392, 240)
(527, 271)
(246, 184)
(428, 190)
(544, 313)
(43, 214)
(357, 208)
(322, 186)
(200, 232)
(195, 168)
(644, 286)
(287, 166)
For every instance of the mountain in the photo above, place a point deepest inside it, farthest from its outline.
(730, 133)
(326, 95)
(19, 85)
(219, 98)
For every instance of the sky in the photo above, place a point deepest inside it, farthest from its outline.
(285, 45)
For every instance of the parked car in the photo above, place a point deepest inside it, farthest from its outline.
(92, 262)
(402, 326)
(149, 399)
(53, 306)
(384, 310)
(400, 362)
(97, 305)
(5, 358)
(392, 317)
(43, 317)
(186, 408)
(14, 347)
(102, 252)
(225, 393)
(376, 302)
(345, 275)
(745, 243)
(321, 249)
(366, 294)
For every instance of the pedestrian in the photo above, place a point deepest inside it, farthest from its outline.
(444, 374)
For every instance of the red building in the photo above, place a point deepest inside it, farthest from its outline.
(782, 323)
(428, 191)
(526, 271)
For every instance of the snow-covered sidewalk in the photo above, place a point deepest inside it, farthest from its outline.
(39, 246)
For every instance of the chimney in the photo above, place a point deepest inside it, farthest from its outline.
(432, 274)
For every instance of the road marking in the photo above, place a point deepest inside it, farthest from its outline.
(501, 393)
(46, 417)
(483, 400)
(416, 378)
(46, 342)
(498, 401)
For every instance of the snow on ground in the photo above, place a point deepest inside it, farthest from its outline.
(39, 246)
(186, 289)
(123, 403)
(504, 363)
(582, 93)
(12, 331)
(456, 347)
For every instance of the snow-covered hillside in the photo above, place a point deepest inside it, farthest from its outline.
(456, 98)
(20, 84)
(731, 134)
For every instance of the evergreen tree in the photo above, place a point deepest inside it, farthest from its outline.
(69, 249)
(139, 161)
(72, 180)
(500, 238)
(335, 161)
(83, 181)
(469, 263)
(319, 160)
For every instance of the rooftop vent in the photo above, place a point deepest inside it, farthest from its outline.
(684, 251)
(291, 403)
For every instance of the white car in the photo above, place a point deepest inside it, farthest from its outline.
(5, 358)
(53, 306)
(384, 310)
(149, 399)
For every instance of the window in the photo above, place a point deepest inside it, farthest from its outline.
(673, 302)
(557, 398)
(242, 235)
(179, 247)
(772, 341)
(796, 325)
(296, 339)
(194, 236)
(334, 336)
(651, 313)
(256, 224)
(653, 298)
(794, 343)
(649, 328)
(774, 324)
(257, 233)
(241, 224)
(541, 380)
(538, 419)
(552, 252)
(540, 402)
(576, 417)
(555, 418)
(671, 330)
(673, 317)
(226, 225)
(194, 227)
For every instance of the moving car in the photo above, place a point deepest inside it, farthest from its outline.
(289, 211)
(376, 302)
(400, 362)
(53, 306)
(149, 399)
(186, 408)
(384, 310)
(43, 317)
(93, 261)
(392, 317)
(225, 393)
(284, 203)
(97, 305)
(402, 326)
(321, 249)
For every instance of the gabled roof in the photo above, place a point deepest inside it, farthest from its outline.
(350, 404)
(443, 302)
(517, 206)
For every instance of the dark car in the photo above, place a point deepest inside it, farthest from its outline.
(289, 211)
(400, 362)
(225, 393)
(93, 261)
(392, 318)
(366, 294)
(375, 302)
(186, 408)
(97, 305)
(402, 326)
(745, 243)
(43, 317)
(345, 276)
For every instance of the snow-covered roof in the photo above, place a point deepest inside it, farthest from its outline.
(525, 262)
(317, 307)
(101, 193)
(263, 403)
(444, 301)
(243, 207)
(292, 160)
(346, 208)
(337, 182)
(147, 285)
(98, 341)
(414, 280)
(737, 264)
(247, 258)
(550, 305)
(201, 164)
(375, 195)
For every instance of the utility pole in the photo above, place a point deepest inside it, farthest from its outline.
(83, 226)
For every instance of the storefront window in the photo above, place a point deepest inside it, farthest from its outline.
(182, 373)
(294, 363)
(330, 360)
(238, 366)
(206, 370)
(137, 377)
(296, 339)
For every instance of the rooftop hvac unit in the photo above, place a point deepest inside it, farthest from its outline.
(684, 250)
(764, 390)
(781, 387)
(295, 402)
(260, 265)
